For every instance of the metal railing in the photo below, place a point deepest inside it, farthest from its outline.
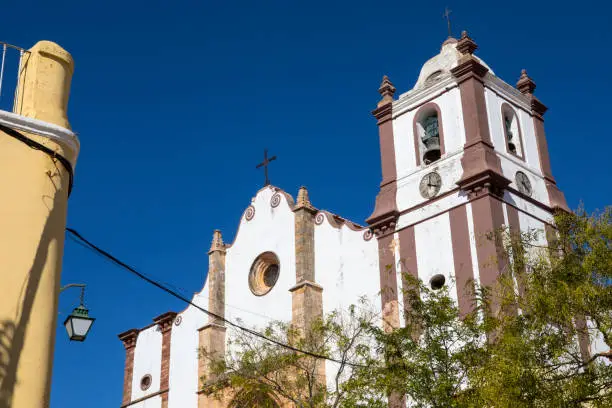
(11, 67)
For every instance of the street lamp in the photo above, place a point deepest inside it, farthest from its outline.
(78, 322)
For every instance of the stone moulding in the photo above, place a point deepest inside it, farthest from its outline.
(336, 221)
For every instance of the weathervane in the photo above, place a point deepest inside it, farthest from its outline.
(265, 164)
(446, 15)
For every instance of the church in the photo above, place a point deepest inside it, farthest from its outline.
(462, 153)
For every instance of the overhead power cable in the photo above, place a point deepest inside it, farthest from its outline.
(181, 297)
(37, 146)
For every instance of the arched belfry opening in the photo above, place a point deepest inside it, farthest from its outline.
(428, 131)
(431, 138)
(512, 131)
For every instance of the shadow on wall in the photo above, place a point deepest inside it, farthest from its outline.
(12, 332)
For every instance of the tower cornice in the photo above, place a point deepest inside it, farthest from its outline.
(413, 99)
(469, 67)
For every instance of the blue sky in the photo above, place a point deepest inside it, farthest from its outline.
(174, 103)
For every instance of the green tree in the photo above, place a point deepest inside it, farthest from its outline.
(563, 293)
(260, 371)
(553, 299)
(428, 362)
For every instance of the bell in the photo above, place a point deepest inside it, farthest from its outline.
(512, 147)
(432, 149)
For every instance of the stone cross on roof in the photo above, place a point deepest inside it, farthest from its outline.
(446, 15)
(265, 164)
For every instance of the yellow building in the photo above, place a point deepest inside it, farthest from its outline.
(38, 153)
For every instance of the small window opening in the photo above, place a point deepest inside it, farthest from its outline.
(145, 382)
(431, 139)
(264, 273)
(437, 281)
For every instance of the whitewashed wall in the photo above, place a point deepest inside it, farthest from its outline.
(147, 360)
(346, 266)
(527, 207)
(473, 251)
(184, 381)
(153, 402)
(272, 229)
(435, 251)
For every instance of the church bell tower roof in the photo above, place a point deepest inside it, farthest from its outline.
(440, 65)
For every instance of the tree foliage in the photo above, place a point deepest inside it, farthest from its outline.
(257, 369)
(564, 299)
(525, 343)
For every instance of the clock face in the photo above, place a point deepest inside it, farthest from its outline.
(523, 184)
(430, 185)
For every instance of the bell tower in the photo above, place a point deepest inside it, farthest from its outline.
(463, 153)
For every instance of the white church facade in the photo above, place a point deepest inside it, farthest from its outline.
(463, 153)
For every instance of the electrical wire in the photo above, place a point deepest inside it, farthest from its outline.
(179, 296)
(37, 146)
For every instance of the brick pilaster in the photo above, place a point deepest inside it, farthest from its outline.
(129, 342)
(307, 297)
(385, 208)
(307, 303)
(212, 344)
(216, 278)
(304, 238)
(165, 325)
(211, 337)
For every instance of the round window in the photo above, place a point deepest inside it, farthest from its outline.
(437, 282)
(145, 382)
(264, 273)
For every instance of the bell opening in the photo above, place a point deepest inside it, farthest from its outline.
(512, 148)
(431, 156)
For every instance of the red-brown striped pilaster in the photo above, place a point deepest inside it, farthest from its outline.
(584, 341)
(462, 257)
(385, 210)
(526, 85)
(488, 218)
(551, 236)
(408, 260)
(518, 254)
(165, 323)
(481, 165)
(388, 282)
(129, 342)
(482, 176)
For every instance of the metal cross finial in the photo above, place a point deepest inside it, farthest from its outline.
(446, 15)
(265, 164)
